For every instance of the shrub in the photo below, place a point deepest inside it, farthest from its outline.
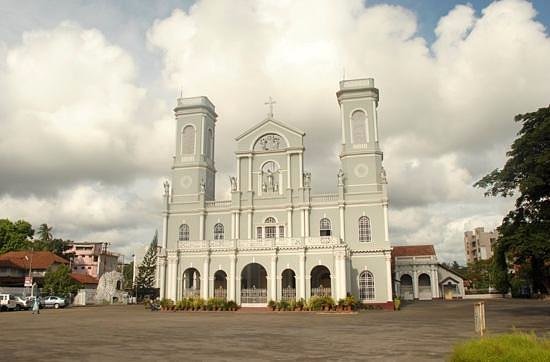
(166, 303)
(232, 305)
(283, 305)
(506, 347)
(300, 303)
(315, 303)
(272, 304)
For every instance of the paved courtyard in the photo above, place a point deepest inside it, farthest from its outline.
(421, 331)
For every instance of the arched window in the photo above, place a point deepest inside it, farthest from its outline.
(366, 285)
(364, 229)
(188, 140)
(324, 227)
(184, 232)
(270, 220)
(359, 127)
(218, 231)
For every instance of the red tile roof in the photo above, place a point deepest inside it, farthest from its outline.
(84, 278)
(40, 259)
(412, 250)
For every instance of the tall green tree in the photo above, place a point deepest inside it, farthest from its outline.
(128, 272)
(146, 270)
(525, 231)
(45, 233)
(15, 235)
(58, 281)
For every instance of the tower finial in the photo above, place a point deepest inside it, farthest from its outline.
(271, 102)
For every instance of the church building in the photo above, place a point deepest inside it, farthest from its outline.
(275, 239)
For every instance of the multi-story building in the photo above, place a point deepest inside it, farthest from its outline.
(275, 238)
(478, 244)
(93, 259)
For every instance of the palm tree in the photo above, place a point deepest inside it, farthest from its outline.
(45, 232)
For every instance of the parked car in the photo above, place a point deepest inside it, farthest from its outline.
(7, 302)
(55, 302)
(22, 303)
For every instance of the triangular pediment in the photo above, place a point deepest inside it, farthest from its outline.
(271, 122)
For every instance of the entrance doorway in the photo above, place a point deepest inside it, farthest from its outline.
(191, 283)
(406, 287)
(320, 281)
(288, 285)
(254, 285)
(424, 287)
(220, 284)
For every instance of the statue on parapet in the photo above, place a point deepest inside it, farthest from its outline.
(166, 187)
(233, 181)
(340, 177)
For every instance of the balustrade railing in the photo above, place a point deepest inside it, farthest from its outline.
(324, 197)
(288, 294)
(317, 241)
(191, 293)
(253, 295)
(321, 292)
(220, 293)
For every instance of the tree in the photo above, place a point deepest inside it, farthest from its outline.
(146, 270)
(128, 272)
(525, 231)
(15, 235)
(45, 233)
(58, 281)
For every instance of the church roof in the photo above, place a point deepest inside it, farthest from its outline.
(412, 250)
(274, 121)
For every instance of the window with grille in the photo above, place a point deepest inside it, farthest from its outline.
(270, 232)
(366, 286)
(324, 228)
(218, 231)
(364, 229)
(258, 233)
(184, 232)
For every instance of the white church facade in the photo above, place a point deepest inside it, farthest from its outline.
(275, 238)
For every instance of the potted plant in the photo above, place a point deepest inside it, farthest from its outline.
(300, 304)
(341, 305)
(272, 304)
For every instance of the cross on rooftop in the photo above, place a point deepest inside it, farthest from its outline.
(271, 102)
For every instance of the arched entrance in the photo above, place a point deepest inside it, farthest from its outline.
(288, 285)
(424, 287)
(320, 281)
(191, 283)
(406, 287)
(254, 284)
(220, 284)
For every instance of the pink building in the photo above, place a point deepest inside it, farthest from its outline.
(92, 259)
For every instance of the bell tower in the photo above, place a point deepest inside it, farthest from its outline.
(193, 171)
(361, 156)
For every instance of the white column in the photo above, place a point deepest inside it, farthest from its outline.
(386, 234)
(302, 218)
(274, 277)
(375, 115)
(301, 164)
(249, 226)
(201, 227)
(164, 230)
(341, 274)
(415, 284)
(250, 173)
(237, 225)
(343, 125)
(202, 135)
(232, 283)
(162, 279)
(205, 277)
(342, 224)
(306, 216)
(434, 283)
(302, 276)
(288, 170)
(289, 223)
(232, 225)
(172, 260)
(389, 277)
(238, 173)
(179, 290)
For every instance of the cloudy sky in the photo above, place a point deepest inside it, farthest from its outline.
(87, 90)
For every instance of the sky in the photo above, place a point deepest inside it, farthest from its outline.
(87, 90)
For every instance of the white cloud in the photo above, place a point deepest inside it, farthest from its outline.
(84, 145)
(72, 111)
(444, 109)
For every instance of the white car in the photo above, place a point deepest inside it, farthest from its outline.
(22, 303)
(53, 301)
(7, 302)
